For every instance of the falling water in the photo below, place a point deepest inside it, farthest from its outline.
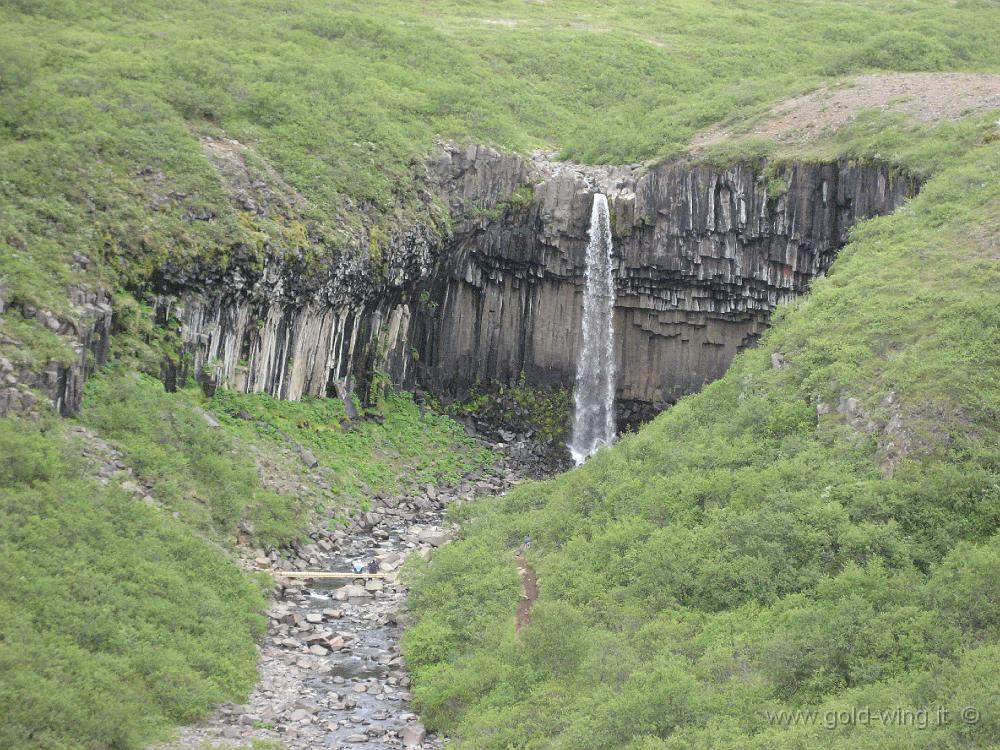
(593, 418)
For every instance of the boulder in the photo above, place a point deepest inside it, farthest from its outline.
(413, 735)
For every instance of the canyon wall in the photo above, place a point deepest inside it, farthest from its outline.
(703, 257)
(704, 254)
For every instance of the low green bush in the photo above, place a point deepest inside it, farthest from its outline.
(752, 551)
(116, 621)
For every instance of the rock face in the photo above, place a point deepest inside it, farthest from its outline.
(87, 332)
(704, 255)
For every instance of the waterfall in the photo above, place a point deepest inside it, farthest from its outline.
(594, 396)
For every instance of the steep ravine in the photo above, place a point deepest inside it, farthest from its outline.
(331, 674)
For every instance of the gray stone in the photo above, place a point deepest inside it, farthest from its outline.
(435, 538)
(413, 735)
(307, 457)
(336, 643)
(352, 591)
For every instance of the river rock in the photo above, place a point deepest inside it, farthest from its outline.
(413, 735)
(435, 538)
(353, 591)
(308, 458)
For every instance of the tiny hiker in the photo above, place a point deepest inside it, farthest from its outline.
(524, 545)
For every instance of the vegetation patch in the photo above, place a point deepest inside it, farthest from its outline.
(404, 446)
(748, 554)
(201, 473)
(543, 413)
(117, 621)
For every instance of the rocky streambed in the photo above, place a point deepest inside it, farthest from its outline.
(331, 673)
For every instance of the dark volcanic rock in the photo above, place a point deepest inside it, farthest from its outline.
(704, 255)
(87, 331)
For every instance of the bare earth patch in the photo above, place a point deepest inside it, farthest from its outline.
(529, 594)
(927, 97)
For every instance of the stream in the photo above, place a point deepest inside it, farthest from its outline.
(331, 674)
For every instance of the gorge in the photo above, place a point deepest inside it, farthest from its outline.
(704, 254)
(307, 311)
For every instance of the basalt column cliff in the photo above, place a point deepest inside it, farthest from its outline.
(702, 255)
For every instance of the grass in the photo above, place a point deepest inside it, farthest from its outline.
(120, 618)
(203, 474)
(921, 149)
(117, 621)
(408, 447)
(101, 109)
(751, 551)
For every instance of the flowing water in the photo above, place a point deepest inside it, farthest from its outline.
(594, 396)
(331, 672)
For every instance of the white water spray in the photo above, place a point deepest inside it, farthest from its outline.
(594, 415)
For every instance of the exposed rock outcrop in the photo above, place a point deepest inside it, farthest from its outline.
(704, 255)
(86, 329)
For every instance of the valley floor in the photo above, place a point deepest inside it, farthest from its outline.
(331, 674)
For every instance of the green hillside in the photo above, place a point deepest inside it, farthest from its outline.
(817, 536)
(756, 549)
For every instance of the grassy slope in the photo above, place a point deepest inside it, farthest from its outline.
(100, 104)
(119, 619)
(97, 100)
(742, 554)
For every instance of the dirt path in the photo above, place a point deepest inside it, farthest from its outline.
(529, 594)
(927, 97)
